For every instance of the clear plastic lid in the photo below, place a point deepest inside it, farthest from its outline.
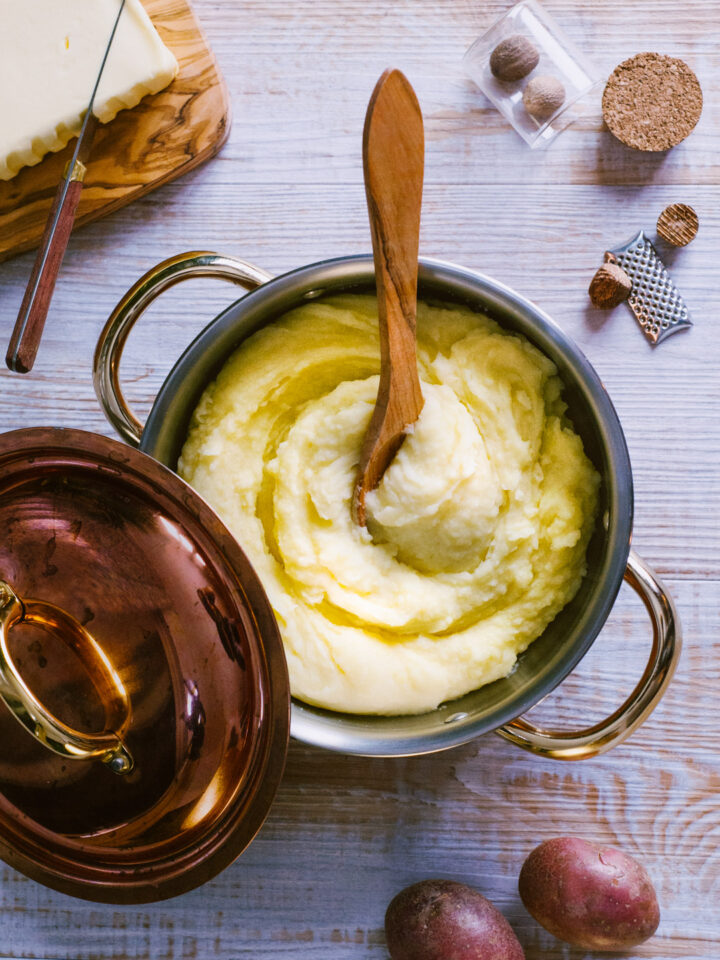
(554, 91)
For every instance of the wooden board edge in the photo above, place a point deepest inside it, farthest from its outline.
(224, 125)
(114, 205)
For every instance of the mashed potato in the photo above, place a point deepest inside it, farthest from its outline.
(476, 535)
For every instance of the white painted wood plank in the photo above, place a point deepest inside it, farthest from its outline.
(283, 55)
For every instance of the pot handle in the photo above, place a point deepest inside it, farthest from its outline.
(52, 733)
(106, 365)
(666, 643)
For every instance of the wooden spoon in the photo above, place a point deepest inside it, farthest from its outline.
(393, 162)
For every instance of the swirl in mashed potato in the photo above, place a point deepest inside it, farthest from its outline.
(476, 535)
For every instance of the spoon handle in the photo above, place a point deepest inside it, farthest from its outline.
(393, 163)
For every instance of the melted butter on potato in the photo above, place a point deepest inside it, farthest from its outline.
(477, 533)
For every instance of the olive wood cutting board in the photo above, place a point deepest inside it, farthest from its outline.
(161, 138)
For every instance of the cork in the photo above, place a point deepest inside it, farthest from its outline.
(678, 224)
(652, 102)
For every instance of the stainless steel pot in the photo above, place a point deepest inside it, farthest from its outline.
(498, 706)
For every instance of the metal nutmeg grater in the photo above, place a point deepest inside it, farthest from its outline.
(654, 300)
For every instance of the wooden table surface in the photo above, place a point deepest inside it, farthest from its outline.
(346, 833)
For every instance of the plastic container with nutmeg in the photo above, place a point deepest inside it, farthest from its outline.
(533, 73)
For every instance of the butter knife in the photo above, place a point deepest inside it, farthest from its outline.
(29, 325)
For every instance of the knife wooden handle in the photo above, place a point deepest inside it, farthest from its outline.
(28, 328)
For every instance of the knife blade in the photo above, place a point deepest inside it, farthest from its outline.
(28, 329)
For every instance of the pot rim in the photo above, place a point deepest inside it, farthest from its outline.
(358, 734)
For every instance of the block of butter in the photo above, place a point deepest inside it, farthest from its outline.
(50, 55)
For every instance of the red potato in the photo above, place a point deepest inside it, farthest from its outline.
(444, 920)
(589, 895)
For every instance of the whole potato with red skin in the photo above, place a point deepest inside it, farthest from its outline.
(444, 920)
(589, 895)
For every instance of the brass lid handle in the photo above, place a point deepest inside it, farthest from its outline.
(37, 719)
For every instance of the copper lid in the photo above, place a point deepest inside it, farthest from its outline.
(140, 653)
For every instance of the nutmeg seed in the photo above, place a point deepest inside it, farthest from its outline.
(514, 58)
(678, 224)
(543, 96)
(610, 286)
